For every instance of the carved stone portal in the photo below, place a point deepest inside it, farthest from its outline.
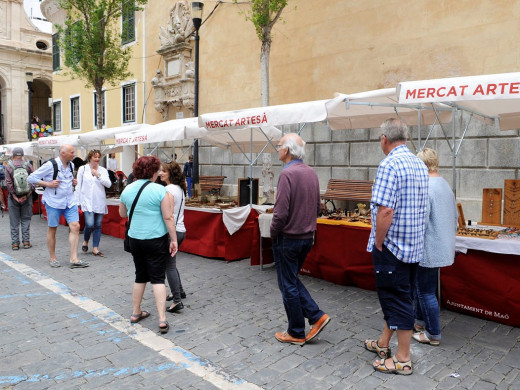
(175, 84)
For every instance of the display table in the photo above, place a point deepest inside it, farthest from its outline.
(206, 234)
(113, 224)
(339, 253)
(484, 281)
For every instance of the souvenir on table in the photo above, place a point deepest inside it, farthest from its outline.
(491, 206)
(512, 202)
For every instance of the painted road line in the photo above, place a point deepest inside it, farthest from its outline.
(202, 368)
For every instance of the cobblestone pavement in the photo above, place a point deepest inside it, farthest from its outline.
(64, 328)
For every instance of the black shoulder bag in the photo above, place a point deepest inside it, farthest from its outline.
(126, 242)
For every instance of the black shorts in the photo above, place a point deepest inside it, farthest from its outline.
(150, 259)
(395, 281)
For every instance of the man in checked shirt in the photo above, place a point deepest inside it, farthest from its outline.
(399, 205)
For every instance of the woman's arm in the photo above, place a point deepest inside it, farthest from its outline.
(103, 177)
(167, 214)
(122, 211)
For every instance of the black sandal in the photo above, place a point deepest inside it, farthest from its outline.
(84, 248)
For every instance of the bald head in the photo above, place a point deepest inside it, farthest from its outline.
(292, 148)
(66, 153)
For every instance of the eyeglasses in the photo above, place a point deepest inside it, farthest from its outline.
(278, 147)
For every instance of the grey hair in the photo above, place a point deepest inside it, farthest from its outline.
(296, 150)
(394, 130)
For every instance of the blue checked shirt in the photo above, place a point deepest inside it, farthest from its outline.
(402, 185)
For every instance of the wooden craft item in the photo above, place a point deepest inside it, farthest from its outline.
(512, 202)
(462, 220)
(487, 234)
(491, 206)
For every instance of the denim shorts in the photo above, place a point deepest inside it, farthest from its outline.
(395, 282)
(53, 215)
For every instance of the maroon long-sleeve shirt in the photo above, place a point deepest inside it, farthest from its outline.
(297, 202)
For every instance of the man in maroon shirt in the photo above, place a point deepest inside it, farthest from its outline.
(292, 230)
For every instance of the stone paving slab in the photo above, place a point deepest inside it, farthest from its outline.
(50, 338)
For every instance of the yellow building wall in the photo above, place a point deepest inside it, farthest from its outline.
(322, 47)
(319, 48)
(65, 86)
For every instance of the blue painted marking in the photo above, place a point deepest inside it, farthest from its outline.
(14, 380)
(29, 295)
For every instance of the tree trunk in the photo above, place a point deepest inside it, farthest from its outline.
(99, 106)
(264, 63)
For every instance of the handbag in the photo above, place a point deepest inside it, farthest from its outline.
(126, 242)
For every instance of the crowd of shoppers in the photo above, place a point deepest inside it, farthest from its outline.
(413, 213)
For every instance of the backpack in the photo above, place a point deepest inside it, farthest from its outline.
(20, 175)
(55, 167)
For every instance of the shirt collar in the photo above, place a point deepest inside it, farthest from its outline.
(292, 162)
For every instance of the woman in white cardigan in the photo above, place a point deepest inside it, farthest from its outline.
(90, 191)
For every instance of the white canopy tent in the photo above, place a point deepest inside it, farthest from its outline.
(369, 109)
(492, 98)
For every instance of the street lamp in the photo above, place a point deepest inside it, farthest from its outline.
(29, 80)
(196, 12)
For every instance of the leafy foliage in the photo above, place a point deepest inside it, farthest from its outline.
(264, 14)
(91, 40)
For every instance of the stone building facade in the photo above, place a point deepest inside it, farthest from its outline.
(23, 49)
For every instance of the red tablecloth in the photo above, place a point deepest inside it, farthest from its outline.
(339, 255)
(485, 285)
(207, 236)
(113, 224)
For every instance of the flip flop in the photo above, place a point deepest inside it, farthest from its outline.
(84, 248)
(100, 254)
(138, 317)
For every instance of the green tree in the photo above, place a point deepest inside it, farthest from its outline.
(264, 14)
(92, 42)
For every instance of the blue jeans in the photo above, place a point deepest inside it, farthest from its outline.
(92, 225)
(426, 304)
(289, 255)
(188, 184)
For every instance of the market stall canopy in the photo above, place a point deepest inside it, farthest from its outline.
(173, 130)
(253, 139)
(370, 109)
(284, 114)
(491, 97)
(58, 140)
(98, 136)
(29, 148)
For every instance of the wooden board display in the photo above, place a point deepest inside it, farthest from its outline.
(512, 202)
(462, 220)
(491, 206)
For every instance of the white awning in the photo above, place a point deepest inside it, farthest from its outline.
(491, 97)
(173, 130)
(58, 140)
(285, 114)
(98, 136)
(370, 109)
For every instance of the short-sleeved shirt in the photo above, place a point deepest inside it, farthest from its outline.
(147, 220)
(402, 185)
(62, 196)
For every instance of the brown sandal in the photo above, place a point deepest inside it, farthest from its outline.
(373, 346)
(400, 368)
